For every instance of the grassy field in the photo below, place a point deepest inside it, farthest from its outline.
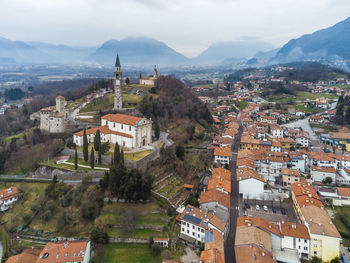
(242, 105)
(129, 253)
(342, 228)
(131, 98)
(325, 128)
(104, 103)
(301, 96)
(308, 109)
(137, 155)
(66, 166)
(137, 233)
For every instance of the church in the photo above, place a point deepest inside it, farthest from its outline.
(128, 131)
(151, 80)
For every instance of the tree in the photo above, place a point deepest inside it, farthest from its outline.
(116, 154)
(76, 159)
(180, 151)
(156, 131)
(315, 259)
(127, 81)
(122, 157)
(156, 250)
(328, 180)
(335, 260)
(99, 157)
(92, 158)
(97, 141)
(85, 147)
(347, 115)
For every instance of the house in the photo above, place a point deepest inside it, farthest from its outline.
(222, 155)
(297, 161)
(161, 241)
(66, 252)
(220, 180)
(276, 146)
(317, 119)
(276, 131)
(296, 237)
(300, 113)
(194, 222)
(322, 103)
(8, 197)
(321, 160)
(126, 130)
(312, 213)
(343, 197)
(215, 201)
(29, 255)
(320, 173)
(290, 176)
(303, 139)
(54, 119)
(214, 248)
(251, 184)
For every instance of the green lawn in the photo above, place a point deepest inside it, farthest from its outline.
(301, 96)
(129, 253)
(132, 98)
(137, 155)
(308, 109)
(242, 105)
(326, 128)
(104, 103)
(136, 233)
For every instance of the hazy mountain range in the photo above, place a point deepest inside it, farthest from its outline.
(332, 43)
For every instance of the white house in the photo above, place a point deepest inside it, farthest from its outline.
(222, 155)
(318, 174)
(8, 197)
(276, 131)
(195, 221)
(251, 184)
(296, 237)
(66, 251)
(126, 130)
(303, 139)
(161, 241)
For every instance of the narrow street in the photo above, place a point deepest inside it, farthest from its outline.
(230, 256)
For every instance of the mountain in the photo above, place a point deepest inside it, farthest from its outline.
(330, 44)
(136, 50)
(219, 52)
(267, 54)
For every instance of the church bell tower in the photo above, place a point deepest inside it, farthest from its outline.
(118, 99)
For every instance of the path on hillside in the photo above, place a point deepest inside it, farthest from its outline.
(230, 256)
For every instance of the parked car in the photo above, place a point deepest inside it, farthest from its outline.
(247, 206)
(265, 208)
(274, 210)
(280, 190)
(257, 208)
(283, 211)
(245, 213)
(327, 150)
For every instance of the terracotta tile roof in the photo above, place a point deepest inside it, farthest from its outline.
(203, 217)
(222, 151)
(320, 156)
(253, 254)
(8, 193)
(23, 258)
(300, 189)
(211, 256)
(319, 221)
(65, 251)
(221, 172)
(161, 239)
(247, 173)
(276, 144)
(122, 118)
(260, 223)
(291, 172)
(214, 248)
(220, 179)
(245, 162)
(51, 108)
(252, 234)
(103, 129)
(214, 195)
(323, 169)
(343, 191)
(294, 230)
(231, 132)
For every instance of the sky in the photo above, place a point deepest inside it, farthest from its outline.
(188, 26)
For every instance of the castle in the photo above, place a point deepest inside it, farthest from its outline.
(151, 80)
(54, 119)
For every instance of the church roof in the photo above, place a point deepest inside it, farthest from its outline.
(117, 62)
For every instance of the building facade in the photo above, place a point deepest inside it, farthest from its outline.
(54, 119)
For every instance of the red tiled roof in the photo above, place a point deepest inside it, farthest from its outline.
(122, 118)
(8, 193)
(103, 129)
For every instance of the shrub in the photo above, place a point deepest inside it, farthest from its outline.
(156, 250)
(46, 216)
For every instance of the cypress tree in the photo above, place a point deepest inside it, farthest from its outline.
(156, 131)
(76, 160)
(92, 158)
(116, 154)
(85, 147)
(122, 157)
(347, 115)
(99, 157)
(97, 141)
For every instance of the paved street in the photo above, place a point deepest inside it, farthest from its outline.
(234, 211)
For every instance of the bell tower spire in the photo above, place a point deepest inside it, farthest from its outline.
(118, 99)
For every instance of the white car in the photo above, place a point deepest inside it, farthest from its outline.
(265, 208)
(257, 208)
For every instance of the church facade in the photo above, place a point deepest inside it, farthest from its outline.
(151, 80)
(128, 131)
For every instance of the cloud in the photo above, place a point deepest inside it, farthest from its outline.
(189, 26)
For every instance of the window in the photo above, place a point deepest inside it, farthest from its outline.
(122, 126)
(183, 229)
(193, 234)
(188, 231)
(129, 128)
(305, 241)
(305, 248)
(113, 124)
(188, 225)
(202, 230)
(192, 227)
(315, 253)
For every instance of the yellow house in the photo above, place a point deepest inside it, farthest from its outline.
(325, 238)
(343, 138)
(249, 143)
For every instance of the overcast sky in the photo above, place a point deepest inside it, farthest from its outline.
(188, 26)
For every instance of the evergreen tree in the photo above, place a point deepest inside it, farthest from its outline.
(85, 147)
(99, 157)
(127, 81)
(76, 160)
(339, 114)
(97, 141)
(156, 131)
(116, 154)
(92, 158)
(122, 157)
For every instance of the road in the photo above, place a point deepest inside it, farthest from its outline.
(230, 240)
